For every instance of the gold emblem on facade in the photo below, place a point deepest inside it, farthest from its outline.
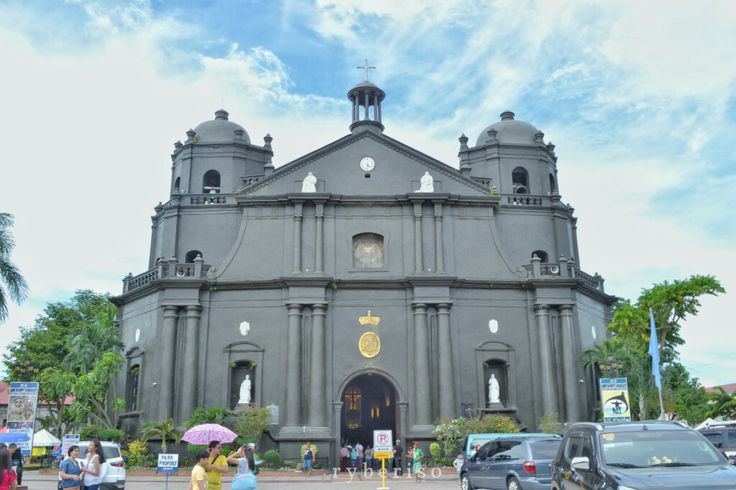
(369, 344)
(369, 320)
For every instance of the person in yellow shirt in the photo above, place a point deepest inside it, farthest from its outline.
(199, 474)
(216, 466)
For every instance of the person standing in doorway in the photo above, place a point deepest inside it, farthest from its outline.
(359, 447)
(344, 456)
(353, 457)
(399, 458)
(308, 456)
(16, 459)
(369, 457)
(216, 466)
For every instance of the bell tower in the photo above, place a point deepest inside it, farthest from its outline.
(366, 100)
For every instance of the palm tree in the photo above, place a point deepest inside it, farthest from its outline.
(15, 284)
(165, 430)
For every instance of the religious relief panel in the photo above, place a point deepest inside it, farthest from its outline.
(367, 251)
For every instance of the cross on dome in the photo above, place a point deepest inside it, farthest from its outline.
(366, 68)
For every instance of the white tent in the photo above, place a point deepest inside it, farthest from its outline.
(44, 438)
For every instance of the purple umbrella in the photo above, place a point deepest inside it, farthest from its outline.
(205, 433)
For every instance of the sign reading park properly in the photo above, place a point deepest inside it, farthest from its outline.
(168, 463)
(615, 400)
(383, 444)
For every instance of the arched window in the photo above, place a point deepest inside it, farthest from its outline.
(367, 251)
(520, 179)
(131, 388)
(177, 183)
(211, 182)
(191, 255)
(541, 254)
(552, 184)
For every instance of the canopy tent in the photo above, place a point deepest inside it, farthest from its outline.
(44, 438)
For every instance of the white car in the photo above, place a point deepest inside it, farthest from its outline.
(113, 468)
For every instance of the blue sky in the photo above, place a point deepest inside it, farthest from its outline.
(637, 96)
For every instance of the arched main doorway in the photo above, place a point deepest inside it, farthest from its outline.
(368, 404)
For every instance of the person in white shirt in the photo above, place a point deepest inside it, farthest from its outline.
(94, 466)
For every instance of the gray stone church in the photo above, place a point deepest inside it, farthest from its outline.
(362, 286)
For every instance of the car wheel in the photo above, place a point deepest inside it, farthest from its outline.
(465, 483)
(513, 484)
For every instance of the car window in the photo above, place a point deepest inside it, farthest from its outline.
(483, 451)
(731, 439)
(544, 449)
(510, 450)
(715, 439)
(573, 447)
(110, 452)
(648, 448)
(587, 450)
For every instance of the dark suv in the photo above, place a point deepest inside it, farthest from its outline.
(723, 437)
(639, 455)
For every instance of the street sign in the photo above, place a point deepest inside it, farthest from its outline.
(383, 444)
(167, 463)
(68, 441)
(615, 400)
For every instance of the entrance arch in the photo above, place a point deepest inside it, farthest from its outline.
(369, 401)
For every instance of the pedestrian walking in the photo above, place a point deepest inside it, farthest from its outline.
(16, 459)
(458, 463)
(94, 466)
(199, 474)
(344, 456)
(216, 465)
(399, 458)
(308, 456)
(69, 470)
(416, 457)
(369, 458)
(354, 457)
(359, 447)
(245, 478)
(7, 475)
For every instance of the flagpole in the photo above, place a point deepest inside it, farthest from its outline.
(654, 353)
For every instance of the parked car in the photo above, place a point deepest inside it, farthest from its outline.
(114, 470)
(511, 463)
(723, 438)
(639, 455)
(472, 442)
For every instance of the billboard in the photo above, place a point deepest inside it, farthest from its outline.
(615, 400)
(22, 412)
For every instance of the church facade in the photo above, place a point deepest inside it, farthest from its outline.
(362, 286)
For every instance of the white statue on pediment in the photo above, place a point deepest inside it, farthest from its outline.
(245, 388)
(426, 183)
(309, 184)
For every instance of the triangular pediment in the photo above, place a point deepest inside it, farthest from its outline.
(336, 166)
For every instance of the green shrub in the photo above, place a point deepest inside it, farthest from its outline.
(273, 458)
(193, 449)
(550, 423)
(114, 435)
(91, 431)
(435, 450)
(212, 415)
(137, 453)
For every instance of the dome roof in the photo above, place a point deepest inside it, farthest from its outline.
(511, 131)
(220, 130)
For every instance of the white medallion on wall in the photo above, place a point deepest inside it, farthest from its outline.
(244, 328)
(367, 164)
(493, 326)
(595, 335)
(137, 334)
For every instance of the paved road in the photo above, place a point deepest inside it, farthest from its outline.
(45, 482)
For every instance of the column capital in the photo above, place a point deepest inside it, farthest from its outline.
(541, 309)
(294, 308)
(171, 311)
(319, 309)
(418, 209)
(194, 310)
(419, 308)
(444, 308)
(565, 309)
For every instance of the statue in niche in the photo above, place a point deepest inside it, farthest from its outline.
(245, 390)
(309, 184)
(426, 183)
(494, 391)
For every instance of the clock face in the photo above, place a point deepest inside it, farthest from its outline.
(367, 164)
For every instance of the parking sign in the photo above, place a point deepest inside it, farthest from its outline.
(168, 463)
(383, 444)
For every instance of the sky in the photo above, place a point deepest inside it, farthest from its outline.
(638, 97)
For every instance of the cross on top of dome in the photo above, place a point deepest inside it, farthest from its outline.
(366, 68)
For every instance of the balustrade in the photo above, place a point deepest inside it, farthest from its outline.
(168, 270)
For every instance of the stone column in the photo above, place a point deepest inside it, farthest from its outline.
(168, 346)
(294, 367)
(439, 253)
(421, 366)
(297, 237)
(418, 260)
(367, 114)
(191, 363)
(547, 365)
(317, 370)
(319, 216)
(447, 383)
(337, 424)
(569, 361)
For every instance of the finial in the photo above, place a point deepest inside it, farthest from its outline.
(507, 115)
(190, 135)
(239, 134)
(539, 137)
(178, 144)
(551, 147)
(463, 142)
(222, 114)
(492, 134)
(366, 68)
(267, 140)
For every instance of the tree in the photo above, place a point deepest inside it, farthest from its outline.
(671, 303)
(684, 397)
(166, 431)
(722, 404)
(12, 283)
(91, 392)
(212, 415)
(252, 423)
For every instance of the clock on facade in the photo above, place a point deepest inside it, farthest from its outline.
(367, 164)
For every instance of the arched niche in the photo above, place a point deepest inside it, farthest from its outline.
(134, 364)
(211, 182)
(191, 255)
(368, 251)
(520, 180)
(498, 358)
(243, 358)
